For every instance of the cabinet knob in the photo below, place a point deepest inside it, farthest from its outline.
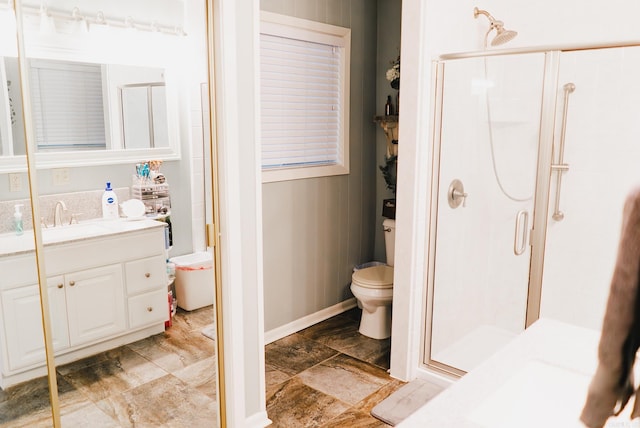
(72, 283)
(147, 275)
(149, 309)
(60, 285)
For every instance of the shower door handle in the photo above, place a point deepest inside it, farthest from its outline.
(520, 235)
(562, 167)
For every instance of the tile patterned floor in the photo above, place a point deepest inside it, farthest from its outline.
(167, 380)
(328, 375)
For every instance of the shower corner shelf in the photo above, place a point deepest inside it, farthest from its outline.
(389, 125)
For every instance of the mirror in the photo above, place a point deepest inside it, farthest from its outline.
(118, 62)
(80, 107)
(113, 53)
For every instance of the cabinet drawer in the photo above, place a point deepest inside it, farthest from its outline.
(148, 308)
(145, 274)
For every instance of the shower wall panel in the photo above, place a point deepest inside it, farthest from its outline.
(602, 149)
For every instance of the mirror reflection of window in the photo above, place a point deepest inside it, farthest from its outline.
(144, 116)
(68, 105)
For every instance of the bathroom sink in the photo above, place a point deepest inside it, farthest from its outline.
(10, 243)
(72, 232)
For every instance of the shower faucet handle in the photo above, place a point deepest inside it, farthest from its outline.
(462, 195)
(456, 195)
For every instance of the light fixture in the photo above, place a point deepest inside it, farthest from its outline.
(78, 25)
(128, 22)
(47, 24)
(100, 19)
(81, 23)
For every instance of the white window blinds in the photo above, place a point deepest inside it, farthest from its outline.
(67, 104)
(300, 102)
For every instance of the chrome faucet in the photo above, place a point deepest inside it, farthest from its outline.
(57, 213)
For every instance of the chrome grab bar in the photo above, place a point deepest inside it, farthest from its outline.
(561, 167)
(520, 236)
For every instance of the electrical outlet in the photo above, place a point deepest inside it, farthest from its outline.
(15, 182)
(60, 176)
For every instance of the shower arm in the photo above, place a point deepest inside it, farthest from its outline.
(492, 21)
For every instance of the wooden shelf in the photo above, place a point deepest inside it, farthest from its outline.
(389, 125)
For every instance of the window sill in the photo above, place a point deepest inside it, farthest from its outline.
(288, 174)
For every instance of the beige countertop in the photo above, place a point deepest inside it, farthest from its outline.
(11, 244)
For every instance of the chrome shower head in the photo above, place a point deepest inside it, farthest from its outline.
(502, 36)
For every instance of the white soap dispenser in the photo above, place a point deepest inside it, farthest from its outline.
(109, 203)
(17, 220)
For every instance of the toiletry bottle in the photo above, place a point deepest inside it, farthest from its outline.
(17, 220)
(388, 107)
(109, 203)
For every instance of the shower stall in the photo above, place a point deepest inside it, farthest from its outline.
(534, 153)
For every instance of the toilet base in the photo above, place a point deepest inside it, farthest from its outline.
(376, 324)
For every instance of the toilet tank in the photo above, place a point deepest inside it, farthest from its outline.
(389, 227)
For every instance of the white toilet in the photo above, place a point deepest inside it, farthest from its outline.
(373, 287)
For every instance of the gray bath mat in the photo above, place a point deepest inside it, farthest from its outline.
(396, 407)
(210, 331)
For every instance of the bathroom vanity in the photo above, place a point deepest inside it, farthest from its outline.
(107, 286)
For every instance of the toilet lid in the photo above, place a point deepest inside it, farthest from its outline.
(376, 276)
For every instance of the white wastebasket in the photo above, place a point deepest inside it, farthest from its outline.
(194, 280)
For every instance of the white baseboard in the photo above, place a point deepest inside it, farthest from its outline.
(308, 321)
(258, 420)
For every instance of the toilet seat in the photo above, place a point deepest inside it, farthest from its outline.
(374, 277)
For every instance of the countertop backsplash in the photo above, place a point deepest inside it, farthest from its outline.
(85, 205)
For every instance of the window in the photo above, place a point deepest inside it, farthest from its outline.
(304, 90)
(68, 110)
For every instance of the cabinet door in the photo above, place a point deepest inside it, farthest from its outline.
(23, 323)
(95, 303)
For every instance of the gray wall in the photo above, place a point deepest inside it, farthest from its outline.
(316, 230)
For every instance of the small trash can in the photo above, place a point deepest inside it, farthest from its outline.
(194, 280)
(367, 265)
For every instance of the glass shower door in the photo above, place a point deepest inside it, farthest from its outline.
(486, 178)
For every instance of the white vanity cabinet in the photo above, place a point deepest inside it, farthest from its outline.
(94, 303)
(21, 310)
(104, 292)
